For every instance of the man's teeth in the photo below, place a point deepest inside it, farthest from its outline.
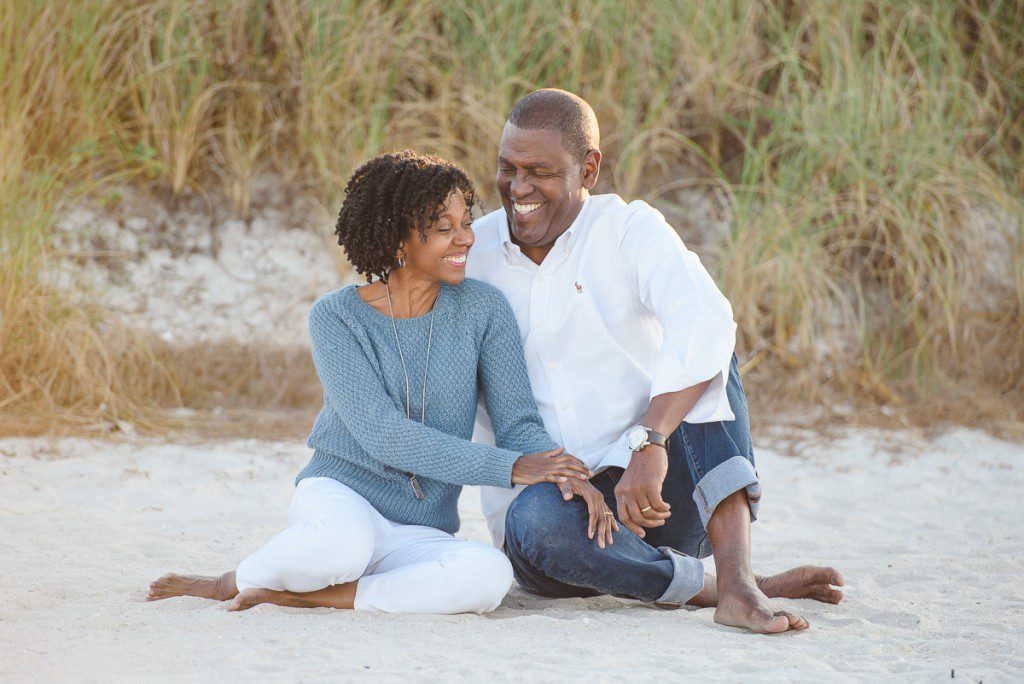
(456, 259)
(526, 208)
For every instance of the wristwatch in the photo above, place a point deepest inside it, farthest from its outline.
(640, 436)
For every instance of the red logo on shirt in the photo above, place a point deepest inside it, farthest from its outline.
(579, 289)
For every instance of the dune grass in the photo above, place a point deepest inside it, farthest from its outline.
(871, 154)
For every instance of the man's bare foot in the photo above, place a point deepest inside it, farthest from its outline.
(218, 588)
(806, 581)
(741, 604)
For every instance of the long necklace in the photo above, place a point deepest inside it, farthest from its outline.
(416, 489)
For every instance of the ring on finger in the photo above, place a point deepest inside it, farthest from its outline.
(644, 510)
(608, 513)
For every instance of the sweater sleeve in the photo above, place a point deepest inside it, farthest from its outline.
(360, 400)
(505, 383)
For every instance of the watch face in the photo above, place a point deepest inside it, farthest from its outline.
(636, 437)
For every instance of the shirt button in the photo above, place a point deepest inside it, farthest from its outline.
(552, 366)
(565, 407)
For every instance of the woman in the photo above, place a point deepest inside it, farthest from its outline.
(402, 360)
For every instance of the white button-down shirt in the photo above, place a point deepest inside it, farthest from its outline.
(617, 313)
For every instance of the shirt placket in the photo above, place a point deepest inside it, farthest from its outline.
(551, 351)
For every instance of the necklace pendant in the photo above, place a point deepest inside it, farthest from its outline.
(416, 488)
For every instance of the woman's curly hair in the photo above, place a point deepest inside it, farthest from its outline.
(389, 196)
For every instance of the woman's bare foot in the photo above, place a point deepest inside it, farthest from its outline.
(806, 581)
(335, 596)
(742, 604)
(218, 588)
(247, 598)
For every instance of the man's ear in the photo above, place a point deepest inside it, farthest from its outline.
(591, 168)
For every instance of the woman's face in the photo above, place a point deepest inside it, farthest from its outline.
(448, 241)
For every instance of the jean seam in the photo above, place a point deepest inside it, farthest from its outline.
(703, 499)
(690, 450)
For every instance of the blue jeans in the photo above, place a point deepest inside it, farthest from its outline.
(546, 536)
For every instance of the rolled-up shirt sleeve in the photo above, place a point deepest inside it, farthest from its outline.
(697, 319)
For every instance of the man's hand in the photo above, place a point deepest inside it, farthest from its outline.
(602, 520)
(638, 494)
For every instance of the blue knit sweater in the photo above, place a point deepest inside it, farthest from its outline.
(362, 436)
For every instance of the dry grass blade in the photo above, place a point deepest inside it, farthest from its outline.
(871, 154)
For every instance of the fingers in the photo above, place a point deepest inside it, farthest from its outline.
(561, 475)
(647, 515)
(581, 469)
(602, 526)
(609, 526)
(657, 503)
(625, 519)
(564, 467)
(601, 520)
(568, 461)
(565, 458)
(566, 489)
(634, 511)
(595, 515)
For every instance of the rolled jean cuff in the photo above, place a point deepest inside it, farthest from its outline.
(731, 476)
(687, 578)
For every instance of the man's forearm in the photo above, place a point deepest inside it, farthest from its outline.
(638, 493)
(666, 411)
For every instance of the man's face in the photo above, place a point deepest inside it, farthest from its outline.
(542, 187)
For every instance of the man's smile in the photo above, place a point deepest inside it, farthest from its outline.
(524, 209)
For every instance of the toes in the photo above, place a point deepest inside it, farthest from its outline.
(793, 621)
(827, 595)
(835, 577)
(777, 623)
(783, 621)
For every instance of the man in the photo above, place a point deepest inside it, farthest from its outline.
(630, 350)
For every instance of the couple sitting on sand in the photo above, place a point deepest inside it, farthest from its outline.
(585, 323)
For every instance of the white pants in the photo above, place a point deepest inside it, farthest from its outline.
(335, 536)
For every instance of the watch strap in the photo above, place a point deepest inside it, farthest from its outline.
(657, 439)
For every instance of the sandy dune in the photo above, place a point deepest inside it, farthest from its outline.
(927, 531)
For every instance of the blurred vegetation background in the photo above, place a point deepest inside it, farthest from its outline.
(869, 154)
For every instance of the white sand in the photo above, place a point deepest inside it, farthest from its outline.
(190, 278)
(928, 533)
(190, 275)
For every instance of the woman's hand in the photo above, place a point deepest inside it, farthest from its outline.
(548, 466)
(602, 521)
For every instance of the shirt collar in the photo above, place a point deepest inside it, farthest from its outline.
(565, 240)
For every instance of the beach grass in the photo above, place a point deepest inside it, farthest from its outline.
(869, 153)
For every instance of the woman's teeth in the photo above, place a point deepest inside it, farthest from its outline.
(526, 208)
(457, 260)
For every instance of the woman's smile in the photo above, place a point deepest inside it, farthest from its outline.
(457, 260)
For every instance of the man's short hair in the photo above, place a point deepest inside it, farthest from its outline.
(561, 111)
